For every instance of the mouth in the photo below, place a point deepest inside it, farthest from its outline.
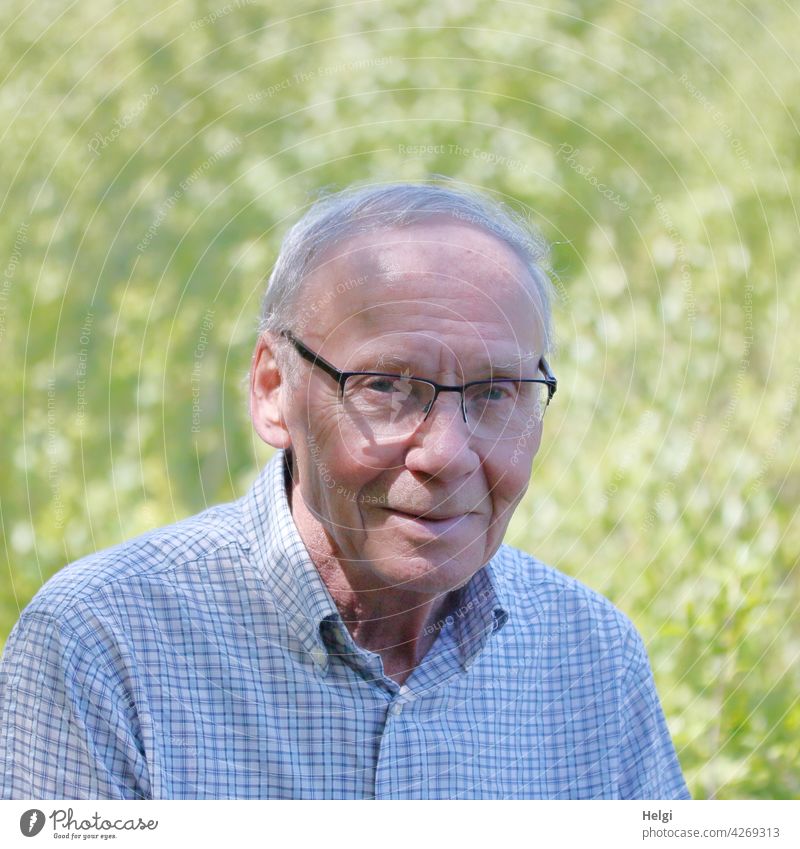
(434, 521)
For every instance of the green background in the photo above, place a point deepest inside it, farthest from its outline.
(152, 159)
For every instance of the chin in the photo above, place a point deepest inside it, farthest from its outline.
(428, 575)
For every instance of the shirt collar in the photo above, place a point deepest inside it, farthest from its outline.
(282, 561)
(482, 611)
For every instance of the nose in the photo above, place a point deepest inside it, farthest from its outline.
(442, 445)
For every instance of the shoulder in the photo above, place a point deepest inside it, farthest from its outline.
(557, 608)
(158, 555)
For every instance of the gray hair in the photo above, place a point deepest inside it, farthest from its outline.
(340, 216)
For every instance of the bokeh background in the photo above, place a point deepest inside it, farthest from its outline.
(153, 155)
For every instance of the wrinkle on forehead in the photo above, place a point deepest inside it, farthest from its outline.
(402, 253)
(449, 278)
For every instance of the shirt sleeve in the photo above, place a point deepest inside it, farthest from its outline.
(68, 727)
(649, 766)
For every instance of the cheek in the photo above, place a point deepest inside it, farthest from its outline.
(507, 486)
(338, 466)
(312, 431)
(508, 469)
(313, 425)
(354, 460)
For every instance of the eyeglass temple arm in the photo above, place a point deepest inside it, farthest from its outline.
(552, 382)
(315, 359)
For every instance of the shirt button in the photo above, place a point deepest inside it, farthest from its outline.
(319, 656)
(396, 709)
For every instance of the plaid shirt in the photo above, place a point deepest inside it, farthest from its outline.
(207, 659)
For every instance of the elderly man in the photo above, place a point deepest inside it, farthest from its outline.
(354, 626)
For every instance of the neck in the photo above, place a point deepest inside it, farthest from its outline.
(401, 626)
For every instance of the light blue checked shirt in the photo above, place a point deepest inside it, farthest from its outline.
(208, 660)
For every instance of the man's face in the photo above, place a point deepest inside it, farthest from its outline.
(440, 300)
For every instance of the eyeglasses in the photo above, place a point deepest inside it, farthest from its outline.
(395, 405)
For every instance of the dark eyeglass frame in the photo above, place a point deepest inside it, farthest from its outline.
(341, 376)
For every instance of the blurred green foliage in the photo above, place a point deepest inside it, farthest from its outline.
(153, 158)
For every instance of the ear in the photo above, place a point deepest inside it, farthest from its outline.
(267, 396)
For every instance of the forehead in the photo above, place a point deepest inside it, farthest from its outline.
(437, 279)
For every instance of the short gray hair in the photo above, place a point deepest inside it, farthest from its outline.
(338, 217)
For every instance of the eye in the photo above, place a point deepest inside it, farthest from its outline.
(380, 384)
(496, 391)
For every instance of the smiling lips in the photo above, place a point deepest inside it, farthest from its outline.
(424, 517)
